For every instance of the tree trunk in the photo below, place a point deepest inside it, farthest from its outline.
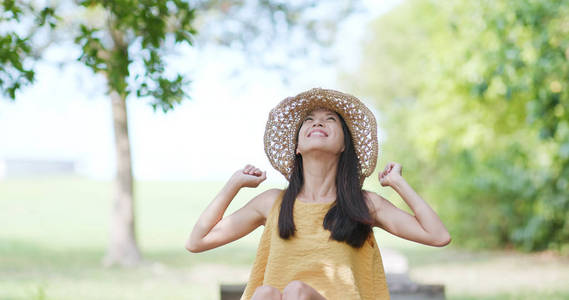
(122, 248)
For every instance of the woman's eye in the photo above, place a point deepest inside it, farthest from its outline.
(332, 118)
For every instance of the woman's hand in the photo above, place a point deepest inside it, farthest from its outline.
(249, 176)
(390, 174)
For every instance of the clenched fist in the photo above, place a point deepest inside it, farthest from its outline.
(391, 173)
(249, 176)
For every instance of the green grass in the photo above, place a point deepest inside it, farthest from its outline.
(53, 235)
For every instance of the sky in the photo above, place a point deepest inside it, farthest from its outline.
(66, 116)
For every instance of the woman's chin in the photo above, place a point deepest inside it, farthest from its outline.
(320, 151)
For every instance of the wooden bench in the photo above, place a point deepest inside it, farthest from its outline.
(401, 287)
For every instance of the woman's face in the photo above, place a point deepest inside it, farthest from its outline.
(321, 131)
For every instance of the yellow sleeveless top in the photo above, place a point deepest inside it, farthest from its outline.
(334, 269)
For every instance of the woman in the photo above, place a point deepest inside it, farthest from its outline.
(318, 241)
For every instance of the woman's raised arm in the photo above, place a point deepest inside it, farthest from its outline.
(424, 227)
(213, 230)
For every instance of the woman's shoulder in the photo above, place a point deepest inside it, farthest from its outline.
(265, 201)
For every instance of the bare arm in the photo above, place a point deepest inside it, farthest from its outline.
(424, 227)
(213, 230)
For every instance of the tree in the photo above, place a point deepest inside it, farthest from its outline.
(127, 42)
(525, 66)
(475, 95)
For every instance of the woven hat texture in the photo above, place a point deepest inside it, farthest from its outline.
(286, 118)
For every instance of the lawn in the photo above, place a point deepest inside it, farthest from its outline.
(53, 234)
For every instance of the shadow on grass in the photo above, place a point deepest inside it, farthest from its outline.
(21, 255)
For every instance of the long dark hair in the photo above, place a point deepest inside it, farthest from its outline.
(348, 219)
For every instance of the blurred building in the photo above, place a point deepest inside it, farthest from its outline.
(10, 168)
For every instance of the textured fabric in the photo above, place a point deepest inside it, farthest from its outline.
(334, 269)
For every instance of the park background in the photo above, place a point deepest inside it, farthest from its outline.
(470, 97)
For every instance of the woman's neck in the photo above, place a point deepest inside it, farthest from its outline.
(319, 178)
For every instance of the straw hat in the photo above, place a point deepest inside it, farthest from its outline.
(285, 120)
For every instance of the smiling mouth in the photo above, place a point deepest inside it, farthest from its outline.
(317, 133)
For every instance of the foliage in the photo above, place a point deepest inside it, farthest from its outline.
(16, 50)
(144, 26)
(127, 40)
(476, 94)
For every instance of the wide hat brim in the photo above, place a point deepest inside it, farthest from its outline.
(286, 118)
